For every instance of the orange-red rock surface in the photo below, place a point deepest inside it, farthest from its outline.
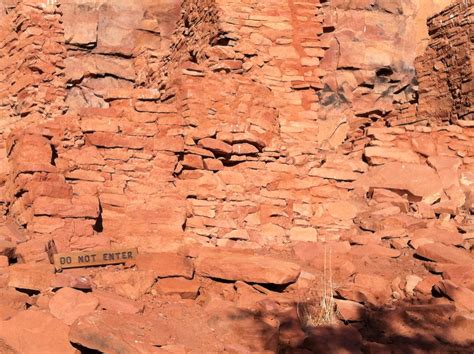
(256, 153)
(445, 69)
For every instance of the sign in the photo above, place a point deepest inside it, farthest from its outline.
(93, 258)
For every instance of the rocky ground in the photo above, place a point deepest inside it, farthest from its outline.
(404, 289)
(294, 180)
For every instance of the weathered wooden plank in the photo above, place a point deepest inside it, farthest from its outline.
(93, 258)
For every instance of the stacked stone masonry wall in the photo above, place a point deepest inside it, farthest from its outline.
(445, 71)
(227, 133)
(32, 83)
(264, 156)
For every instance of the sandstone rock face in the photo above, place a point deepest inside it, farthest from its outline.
(152, 136)
(446, 95)
(371, 49)
(423, 10)
(261, 155)
(104, 40)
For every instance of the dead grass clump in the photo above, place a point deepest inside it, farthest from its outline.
(319, 307)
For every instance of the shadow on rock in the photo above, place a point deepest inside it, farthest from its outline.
(402, 328)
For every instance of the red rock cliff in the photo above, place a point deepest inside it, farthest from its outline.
(140, 107)
(241, 146)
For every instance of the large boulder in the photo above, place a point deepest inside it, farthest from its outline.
(110, 332)
(69, 304)
(32, 332)
(11, 302)
(165, 264)
(439, 252)
(420, 182)
(130, 284)
(248, 268)
(36, 277)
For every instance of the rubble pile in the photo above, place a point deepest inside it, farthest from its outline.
(265, 158)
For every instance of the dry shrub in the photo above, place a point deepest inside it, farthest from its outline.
(319, 307)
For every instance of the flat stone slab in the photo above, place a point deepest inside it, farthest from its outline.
(248, 268)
